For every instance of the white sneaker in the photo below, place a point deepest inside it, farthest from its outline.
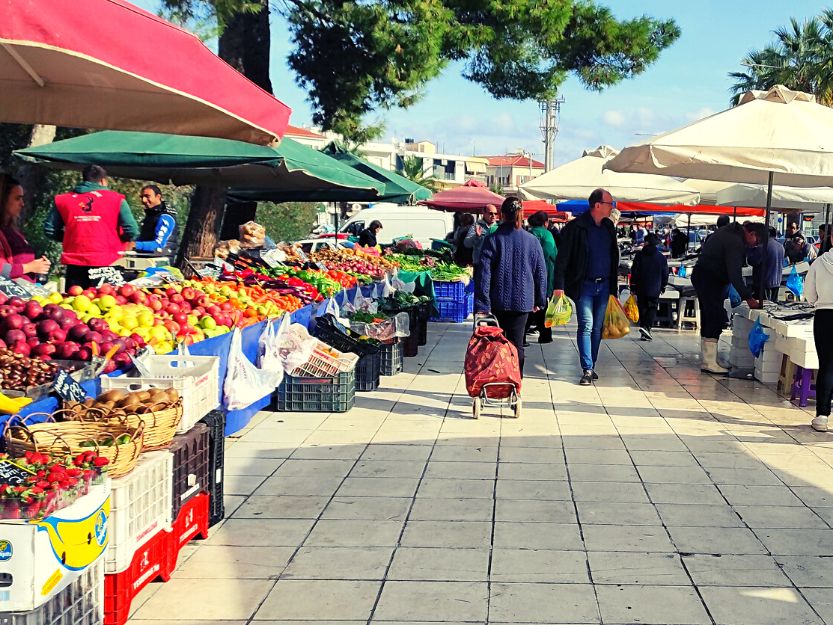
(819, 424)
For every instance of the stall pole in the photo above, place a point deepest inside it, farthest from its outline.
(735, 215)
(765, 242)
(825, 244)
(688, 232)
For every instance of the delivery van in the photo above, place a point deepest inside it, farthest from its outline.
(420, 222)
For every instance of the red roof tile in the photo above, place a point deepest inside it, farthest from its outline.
(511, 160)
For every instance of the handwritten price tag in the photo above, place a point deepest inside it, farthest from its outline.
(67, 388)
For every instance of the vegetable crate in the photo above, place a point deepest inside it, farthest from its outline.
(196, 378)
(216, 422)
(191, 523)
(410, 344)
(148, 563)
(326, 361)
(450, 290)
(368, 371)
(190, 468)
(335, 394)
(422, 324)
(453, 311)
(343, 339)
(80, 603)
(39, 559)
(141, 507)
(392, 358)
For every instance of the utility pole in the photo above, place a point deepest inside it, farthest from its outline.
(550, 111)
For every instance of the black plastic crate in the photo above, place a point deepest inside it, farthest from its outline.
(303, 394)
(423, 313)
(410, 344)
(216, 422)
(190, 452)
(328, 330)
(368, 370)
(392, 357)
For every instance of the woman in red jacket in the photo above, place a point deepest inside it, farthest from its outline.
(17, 258)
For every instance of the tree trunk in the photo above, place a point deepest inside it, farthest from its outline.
(203, 224)
(244, 44)
(33, 177)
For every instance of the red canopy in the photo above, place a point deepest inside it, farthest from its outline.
(471, 196)
(700, 209)
(107, 64)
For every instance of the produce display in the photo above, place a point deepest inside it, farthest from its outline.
(52, 484)
(18, 372)
(354, 262)
(438, 269)
(118, 401)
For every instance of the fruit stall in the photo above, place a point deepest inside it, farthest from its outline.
(116, 401)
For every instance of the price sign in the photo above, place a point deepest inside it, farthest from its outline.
(321, 266)
(108, 275)
(13, 289)
(67, 388)
(273, 258)
(13, 474)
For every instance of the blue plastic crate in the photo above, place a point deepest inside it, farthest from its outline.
(454, 311)
(449, 291)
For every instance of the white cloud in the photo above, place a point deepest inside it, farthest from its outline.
(700, 113)
(613, 118)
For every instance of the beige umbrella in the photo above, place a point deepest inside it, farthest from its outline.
(806, 200)
(577, 180)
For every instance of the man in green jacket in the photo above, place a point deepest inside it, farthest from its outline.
(538, 228)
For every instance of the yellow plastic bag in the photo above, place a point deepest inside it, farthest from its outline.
(559, 312)
(631, 309)
(616, 321)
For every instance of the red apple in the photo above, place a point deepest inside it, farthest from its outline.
(75, 290)
(189, 293)
(94, 337)
(32, 310)
(67, 350)
(121, 300)
(29, 329)
(176, 298)
(84, 353)
(15, 321)
(44, 349)
(79, 333)
(17, 303)
(46, 327)
(181, 318)
(22, 348)
(59, 335)
(106, 289)
(126, 290)
(14, 336)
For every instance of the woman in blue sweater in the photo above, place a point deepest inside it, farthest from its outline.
(513, 275)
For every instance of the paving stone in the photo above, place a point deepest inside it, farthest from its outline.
(440, 564)
(539, 565)
(364, 563)
(758, 606)
(651, 604)
(540, 603)
(647, 569)
(437, 601)
(725, 570)
(319, 600)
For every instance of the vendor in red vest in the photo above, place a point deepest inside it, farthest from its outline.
(93, 223)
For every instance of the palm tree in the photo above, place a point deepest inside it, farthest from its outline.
(413, 170)
(801, 58)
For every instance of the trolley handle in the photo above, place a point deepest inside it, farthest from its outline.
(486, 320)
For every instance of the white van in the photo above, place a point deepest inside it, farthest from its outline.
(420, 222)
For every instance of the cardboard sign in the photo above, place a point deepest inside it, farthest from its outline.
(108, 275)
(67, 388)
(13, 289)
(13, 474)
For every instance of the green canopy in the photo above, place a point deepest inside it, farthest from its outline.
(292, 170)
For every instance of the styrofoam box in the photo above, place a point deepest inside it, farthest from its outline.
(40, 559)
(196, 379)
(141, 506)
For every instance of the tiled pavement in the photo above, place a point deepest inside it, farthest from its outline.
(659, 495)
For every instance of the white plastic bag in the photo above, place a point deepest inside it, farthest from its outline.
(296, 346)
(398, 285)
(244, 383)
(268, 348)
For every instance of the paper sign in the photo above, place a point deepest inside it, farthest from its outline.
(106, 275)
(13, 289)
(67, 388)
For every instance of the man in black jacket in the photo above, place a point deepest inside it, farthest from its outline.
(649, 276)
(720, 264)
(586, 269)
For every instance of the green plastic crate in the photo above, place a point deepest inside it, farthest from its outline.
(305, 394)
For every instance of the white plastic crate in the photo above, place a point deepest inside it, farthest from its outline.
(141, 506)
(39, 560)
(80, 603)
(196, 379)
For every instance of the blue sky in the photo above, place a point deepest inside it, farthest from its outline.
(688, 82)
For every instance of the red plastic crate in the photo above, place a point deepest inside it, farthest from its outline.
(191, 522)
(150, 562)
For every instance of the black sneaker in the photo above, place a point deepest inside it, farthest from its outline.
(586, 379)
(595, 375)
(646, 334)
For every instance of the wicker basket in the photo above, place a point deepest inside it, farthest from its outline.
(66, 438)
(160, 421)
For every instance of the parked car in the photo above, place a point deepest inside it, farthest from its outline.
(420, 222)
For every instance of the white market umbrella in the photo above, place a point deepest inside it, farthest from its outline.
(577, 179)
(807, 200)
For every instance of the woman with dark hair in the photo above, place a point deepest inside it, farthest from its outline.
(538, 229)
(513, 275)
(17, 258)
(367, 238)
(462, 254)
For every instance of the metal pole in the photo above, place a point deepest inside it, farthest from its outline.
(765, 242)
(825, 244)
(735, 217)
(688, 234)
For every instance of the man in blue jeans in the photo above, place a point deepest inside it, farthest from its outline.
(586, 270)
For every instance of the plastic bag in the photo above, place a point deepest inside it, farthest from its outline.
(244, 383)
(734, 297)
(795, 283)
(268, 348)
(558, 312)
(296, 346)
(616, 321)
(631, 309)
(757, 339)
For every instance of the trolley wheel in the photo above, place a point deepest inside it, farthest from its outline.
(475, 408)
(517, 406)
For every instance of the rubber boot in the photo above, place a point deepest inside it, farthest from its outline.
(708, 351)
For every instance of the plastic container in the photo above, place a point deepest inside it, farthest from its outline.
(80, 603)
(148, 563)
(451, 311)
(141, 507)
(336, 394)
(196, 378)
(422, 323)
(216, 422)
(450, 290)
(368, 372)
(323, 363)
(392, 357)
(410, 344)
(39, 560)
(343, 339)
(190, 469)
(191, 523)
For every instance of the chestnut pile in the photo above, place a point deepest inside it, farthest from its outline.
(18, 372)
(121, 401)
